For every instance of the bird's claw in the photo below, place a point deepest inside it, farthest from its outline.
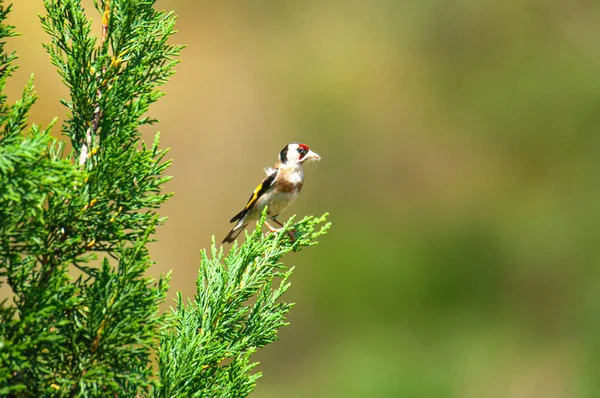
(291, 233)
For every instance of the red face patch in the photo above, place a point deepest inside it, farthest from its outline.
(302, 150)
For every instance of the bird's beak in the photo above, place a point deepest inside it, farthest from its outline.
(311, 156)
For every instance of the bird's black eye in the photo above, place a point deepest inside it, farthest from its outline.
(301, 150)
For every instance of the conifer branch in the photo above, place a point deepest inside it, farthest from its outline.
(208, 349)
(94, 335)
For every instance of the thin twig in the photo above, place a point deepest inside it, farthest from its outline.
(83, 155)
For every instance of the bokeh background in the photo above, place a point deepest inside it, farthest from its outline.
(460, 144)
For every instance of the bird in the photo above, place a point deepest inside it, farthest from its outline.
(278, 190)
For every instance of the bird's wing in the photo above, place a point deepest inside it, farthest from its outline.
(260, 190)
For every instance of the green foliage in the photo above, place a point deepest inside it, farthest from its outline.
(206, 351)
(92, 333)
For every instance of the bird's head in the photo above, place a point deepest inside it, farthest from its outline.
(296, 153)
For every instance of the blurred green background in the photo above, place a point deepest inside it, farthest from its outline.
(460, 144)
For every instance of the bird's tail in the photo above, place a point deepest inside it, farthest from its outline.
(239, 227)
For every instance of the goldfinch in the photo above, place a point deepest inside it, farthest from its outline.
(277, 191)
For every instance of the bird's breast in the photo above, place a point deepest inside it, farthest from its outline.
(290, 180)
